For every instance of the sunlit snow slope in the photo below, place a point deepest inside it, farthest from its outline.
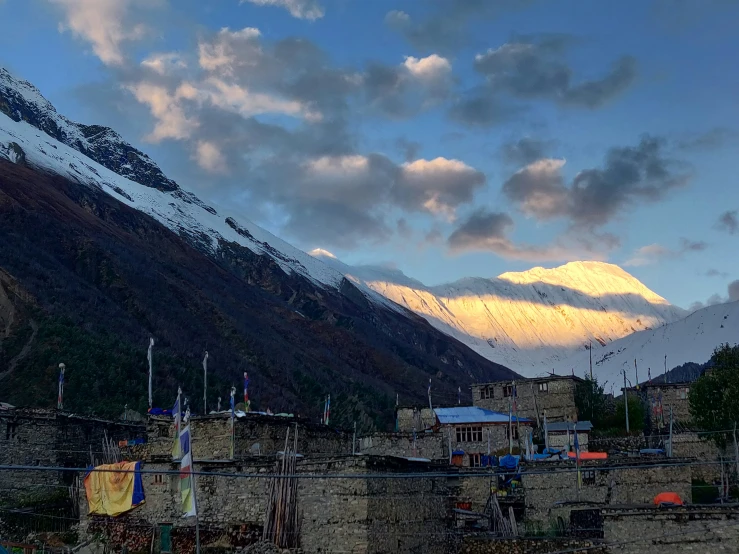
(692, 339)
(528, 321)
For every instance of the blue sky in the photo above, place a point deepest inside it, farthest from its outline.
(448, 138)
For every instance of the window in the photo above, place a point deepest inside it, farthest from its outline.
(163, 431)
(507, 390)
(475, 460)
(588, 477)
(683, 394)
(543, 388)
(11, 431)
(158, 478)
(469, 434)
(485, 393)
(515, 432)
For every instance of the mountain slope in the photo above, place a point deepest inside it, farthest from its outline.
(92, 263)
(691, 339)
(530, 320)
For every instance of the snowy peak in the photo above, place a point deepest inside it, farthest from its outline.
(33, 133)
(530, 320)
(692, 339)
(21, 101)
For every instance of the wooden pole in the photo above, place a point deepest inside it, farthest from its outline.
(626, 403)
(670, 452)
(736, 453)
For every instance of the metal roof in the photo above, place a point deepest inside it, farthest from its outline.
(563, 426)
(472, 414)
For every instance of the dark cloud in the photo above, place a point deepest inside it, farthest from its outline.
(733, 290)
(481, 108)
(445, 28)
(654, 253)
(710, 140)
(716, 273)
(536, 68)
(409, 148)
(525, 151)
(487, 231)
(630, 175)
(729, 222)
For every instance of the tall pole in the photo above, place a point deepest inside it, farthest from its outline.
(636, 369)
(736, 452)
(546, 432)
(670, 451)
(591, 360)
(459, 396)
(149, 356)
(510, 426)
(667, 377)
(60, 397)
(205, 384)
(396, 412)
(430, 406)
(626, 403)
(354, 439)
(247, 402)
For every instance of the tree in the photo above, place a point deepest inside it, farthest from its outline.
(636, 414)
(590, 401)
(713, 397)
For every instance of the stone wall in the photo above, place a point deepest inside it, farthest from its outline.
(344, 505)
(431, 445)
(559, 440)
(494, 439)
(621, 481)
(689, 529)
(415, 419)
(618, 444)
(675, 396)
(558, 401)
(254, 435)
(486, 545)
(34, 437)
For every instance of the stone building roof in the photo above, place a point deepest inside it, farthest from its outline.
(546, 378)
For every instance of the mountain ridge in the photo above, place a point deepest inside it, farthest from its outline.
(528, 320)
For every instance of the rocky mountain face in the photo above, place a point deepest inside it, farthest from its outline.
(97, 255)
(529, 321)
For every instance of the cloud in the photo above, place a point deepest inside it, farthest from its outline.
(487, 231)
(629, 176)
(653, 253)
(403, 90)
(209, 157)
(524, 151)
(712, 139)
(729, 222)
(446, 25)
(105, 24)
(300, 9)
(537, 69)
(716, 273)
(733, 290)
(165, 63)
(410, 148)
(166, 107)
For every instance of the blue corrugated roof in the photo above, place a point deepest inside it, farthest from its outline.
(472, 414)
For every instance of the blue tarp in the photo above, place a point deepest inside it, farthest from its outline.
(458, 453)
(509, 461)
(487, 461)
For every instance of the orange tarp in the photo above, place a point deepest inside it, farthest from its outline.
(668, 498)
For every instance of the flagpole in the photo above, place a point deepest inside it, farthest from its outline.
(430, 406)
(60, 398)
(233, 423)
(247, 404)
(205, 384)
(194, 487)
(149, 356)
(510, 427)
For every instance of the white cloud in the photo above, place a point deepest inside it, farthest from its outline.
(432, 67)
(104, 24)
(647, 255)
(171, 121)
(241, 100)
(209, 157)
(301, 9)
(220, 54)
(164, 63)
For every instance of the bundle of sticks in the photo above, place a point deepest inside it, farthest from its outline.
(281, 522)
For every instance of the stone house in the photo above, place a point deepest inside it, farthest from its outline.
(553, 395)
(425, 444)
(474, 432)
(551, 492)
(254, 435)
(661, 398)
(42, 437)
(561, 434)
(345, 503)
(413, 418)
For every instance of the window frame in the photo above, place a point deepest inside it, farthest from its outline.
(544, 387)
(507, 391)
(475, 459)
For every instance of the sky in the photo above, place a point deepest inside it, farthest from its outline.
(445, 138)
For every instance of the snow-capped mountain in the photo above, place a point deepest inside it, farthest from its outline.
(692, 339)
(528, 321)
(34, 134)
